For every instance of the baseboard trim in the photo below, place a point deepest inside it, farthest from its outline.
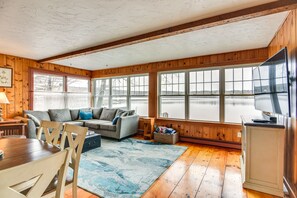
(290, 190)
(211, 142)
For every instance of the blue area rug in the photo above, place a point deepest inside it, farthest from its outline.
(125, 169)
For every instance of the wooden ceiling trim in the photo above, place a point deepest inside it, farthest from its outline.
(236, 16)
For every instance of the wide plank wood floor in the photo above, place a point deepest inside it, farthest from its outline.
(201, 171)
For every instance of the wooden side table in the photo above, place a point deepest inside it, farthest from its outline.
(12, 128)
(148, 127)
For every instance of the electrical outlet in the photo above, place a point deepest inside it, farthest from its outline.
(239, 134)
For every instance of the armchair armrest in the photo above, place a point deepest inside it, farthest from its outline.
(127, 125)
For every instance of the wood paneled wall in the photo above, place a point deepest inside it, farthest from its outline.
(287, 37)
(224, 59)
(216, 132)
(18, 95)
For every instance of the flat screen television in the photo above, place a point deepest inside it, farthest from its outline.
(271, 85)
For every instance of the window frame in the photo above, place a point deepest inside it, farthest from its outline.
(187, 91)
(33, 71)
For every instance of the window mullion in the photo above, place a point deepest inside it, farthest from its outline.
(187, 95)
(128, 96)
(222, 92)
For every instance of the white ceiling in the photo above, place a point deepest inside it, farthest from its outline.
(250, 34)
(38, 29)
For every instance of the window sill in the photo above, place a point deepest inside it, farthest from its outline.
(198, 122)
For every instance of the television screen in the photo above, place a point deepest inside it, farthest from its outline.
(271, 85)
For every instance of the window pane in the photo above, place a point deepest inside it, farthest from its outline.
(247, 87)
(215, 75)
(229, 75)
(139, 85)
(207, 76)
(235, 106)
(247, 73)
(172, 107)
(48, 100)
(102, 87)
(140, 105)
(48, 83)
(237, 74)
(101, 102)
(173, 84)
(119, 102)
(237, 87)
(204, 108)
(78, 100)
(77, 85)
(119, 86)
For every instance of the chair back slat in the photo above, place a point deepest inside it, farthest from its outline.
(44, 169)
(51, 131)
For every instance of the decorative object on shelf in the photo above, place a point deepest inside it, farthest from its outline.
(6, 77)
(3, 100)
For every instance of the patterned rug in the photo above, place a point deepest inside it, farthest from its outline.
(125, 169)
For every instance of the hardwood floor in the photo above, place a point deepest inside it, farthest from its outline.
(202, 171)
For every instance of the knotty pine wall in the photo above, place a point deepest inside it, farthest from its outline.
(287, 37)
(18, 95)
(190, 130)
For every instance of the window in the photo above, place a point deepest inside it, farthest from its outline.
(119, 93)
(172, 97)
(204, 95)
(129, 92)
(78, 93)
(219, 95)
(49, 91)
(238, 97)
(139, 86)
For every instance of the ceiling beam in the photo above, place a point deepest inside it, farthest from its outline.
(236, 16)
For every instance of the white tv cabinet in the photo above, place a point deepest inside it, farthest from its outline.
(262, 158)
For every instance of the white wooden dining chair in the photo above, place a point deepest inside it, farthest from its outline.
(44, 169)
(75, 135)
(51, 131)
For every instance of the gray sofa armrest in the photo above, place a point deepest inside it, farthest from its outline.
(31, 127)
(127, 126)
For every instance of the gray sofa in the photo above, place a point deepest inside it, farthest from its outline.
(101, 121)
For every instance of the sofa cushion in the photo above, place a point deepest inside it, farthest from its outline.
(74, 114)
(95, 124)
(34, 119)
(40, 115)
(108, 127)
(97, 113)
(78, 123)
(108, 114)
(60, 115)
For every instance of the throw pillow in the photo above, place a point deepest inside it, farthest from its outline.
(34, 119)
(97, 113)
(108, 114)
(84, 110)
(60, 115)
(85, 115)
(131, 112)
(115, 120)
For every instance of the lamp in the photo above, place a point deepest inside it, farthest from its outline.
(3, 100)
